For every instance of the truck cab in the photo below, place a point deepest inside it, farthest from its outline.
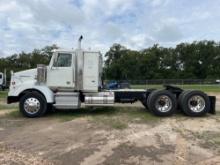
(74, 70)
(72, 78)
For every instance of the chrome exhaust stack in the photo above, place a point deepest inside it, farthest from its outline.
(79, 42)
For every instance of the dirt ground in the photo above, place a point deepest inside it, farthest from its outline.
(47, 140)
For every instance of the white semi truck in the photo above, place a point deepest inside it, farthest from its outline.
(73, 78)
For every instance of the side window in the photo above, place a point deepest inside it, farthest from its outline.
(0, 76)
(63, 60)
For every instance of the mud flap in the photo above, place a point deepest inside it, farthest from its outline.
(212, 109)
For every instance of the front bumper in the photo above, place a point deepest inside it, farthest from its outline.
(12, 99)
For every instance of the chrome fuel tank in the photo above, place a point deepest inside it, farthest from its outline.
(99, 99)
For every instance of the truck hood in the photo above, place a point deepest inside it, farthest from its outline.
(31, 73)
(24, 77)
(20, 80)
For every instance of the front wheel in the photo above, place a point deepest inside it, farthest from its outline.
(33, 105)
(162, 103)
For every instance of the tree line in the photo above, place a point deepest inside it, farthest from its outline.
(22, 61)
(197, 60)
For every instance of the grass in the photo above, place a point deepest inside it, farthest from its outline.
(112, 117)
(202, 87)
(14, 114)
(5, 106)
(67, 115)
(112, 122)
(116, 118)
(3, 94)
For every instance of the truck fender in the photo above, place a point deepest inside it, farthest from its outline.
(44, 90)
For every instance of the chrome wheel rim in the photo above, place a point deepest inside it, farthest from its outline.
(163, 103)
(32, 105)
(196, 103)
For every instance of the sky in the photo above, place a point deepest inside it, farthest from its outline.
(136, 24)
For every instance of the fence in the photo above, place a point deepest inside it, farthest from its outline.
(209, 85)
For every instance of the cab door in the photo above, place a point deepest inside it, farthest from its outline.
(60, 74)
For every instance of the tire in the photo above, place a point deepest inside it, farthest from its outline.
(194, 103)
(144, 104)
(144, 101)
(179, 100)
(50, 109)
(38, 107)
(162, 103)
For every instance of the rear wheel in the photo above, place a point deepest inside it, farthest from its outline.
(144, 101)
(162, 103)
(194, 103)
(33, 105)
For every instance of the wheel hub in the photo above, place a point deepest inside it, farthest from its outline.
(196, 103)
(163, 103)
(32, 105)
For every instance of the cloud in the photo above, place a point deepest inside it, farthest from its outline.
(156, 3)
(168, 33)
(25, 24)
